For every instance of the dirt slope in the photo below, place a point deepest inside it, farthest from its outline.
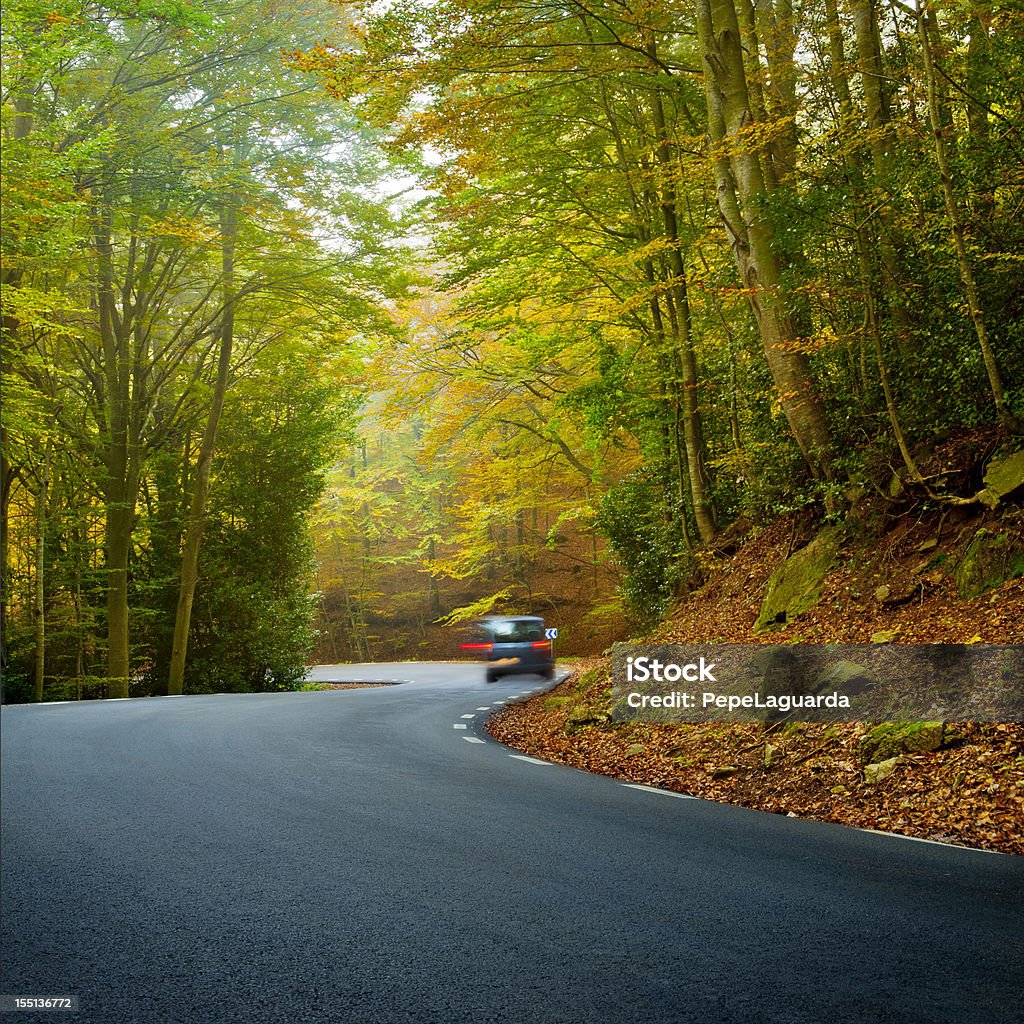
(970, 792)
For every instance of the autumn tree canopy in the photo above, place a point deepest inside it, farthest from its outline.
(660, 265)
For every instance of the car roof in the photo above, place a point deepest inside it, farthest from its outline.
(511, 618)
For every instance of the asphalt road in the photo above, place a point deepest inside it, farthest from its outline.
(371, 856)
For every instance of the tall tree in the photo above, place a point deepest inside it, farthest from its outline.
(739, 162)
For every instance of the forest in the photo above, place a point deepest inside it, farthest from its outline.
(328, 326)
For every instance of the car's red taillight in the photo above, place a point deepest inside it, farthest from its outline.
(477, 647)
(545, 644)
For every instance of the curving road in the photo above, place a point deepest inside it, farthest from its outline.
(372, 856)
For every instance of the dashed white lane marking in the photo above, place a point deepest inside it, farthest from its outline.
(459, 725)
(486, 707)
(933, 842)
(531, 760)
(660, 792)
(472, 739)
(469, 716)
(498, 703)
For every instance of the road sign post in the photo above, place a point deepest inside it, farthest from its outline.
(551, 634)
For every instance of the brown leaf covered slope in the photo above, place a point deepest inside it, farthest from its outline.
(971, 792)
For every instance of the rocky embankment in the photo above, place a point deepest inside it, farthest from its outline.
(901, 568)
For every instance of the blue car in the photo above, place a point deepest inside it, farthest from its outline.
(511, 644)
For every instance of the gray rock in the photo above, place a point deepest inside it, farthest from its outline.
(885, 636)
(890, 739)
(582, 716)
(796, 585)
(845, 676)
(989, 560)
(1003, 478)
(876, 773)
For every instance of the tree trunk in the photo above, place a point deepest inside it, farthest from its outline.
(683, 477)
(696, 480)
(39, 591)
(118, 538)
(682, 326)
(683, 369)
(201, 488)
(80, 533)
(10, 277)
(121, 483)
(433, 593)
(837, 59)
(978, 98)
(170, 480)
(1003, 411)
(8, 474)
(872, 324)
(875, 334)
(741, 189)
(878, 114)
(781, 101)
(872, 76)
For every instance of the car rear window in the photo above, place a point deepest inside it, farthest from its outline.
(516, 632)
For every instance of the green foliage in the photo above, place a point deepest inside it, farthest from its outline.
(587, 336)
(253, 618)
(486, 605)
(632, 517)
(554, 194)
(128, 131)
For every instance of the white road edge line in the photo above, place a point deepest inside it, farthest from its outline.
(469, 716)
(473, 739)
(486, 708)
(660, 792)
(530, 760)
(459, 725)
(933, 842)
